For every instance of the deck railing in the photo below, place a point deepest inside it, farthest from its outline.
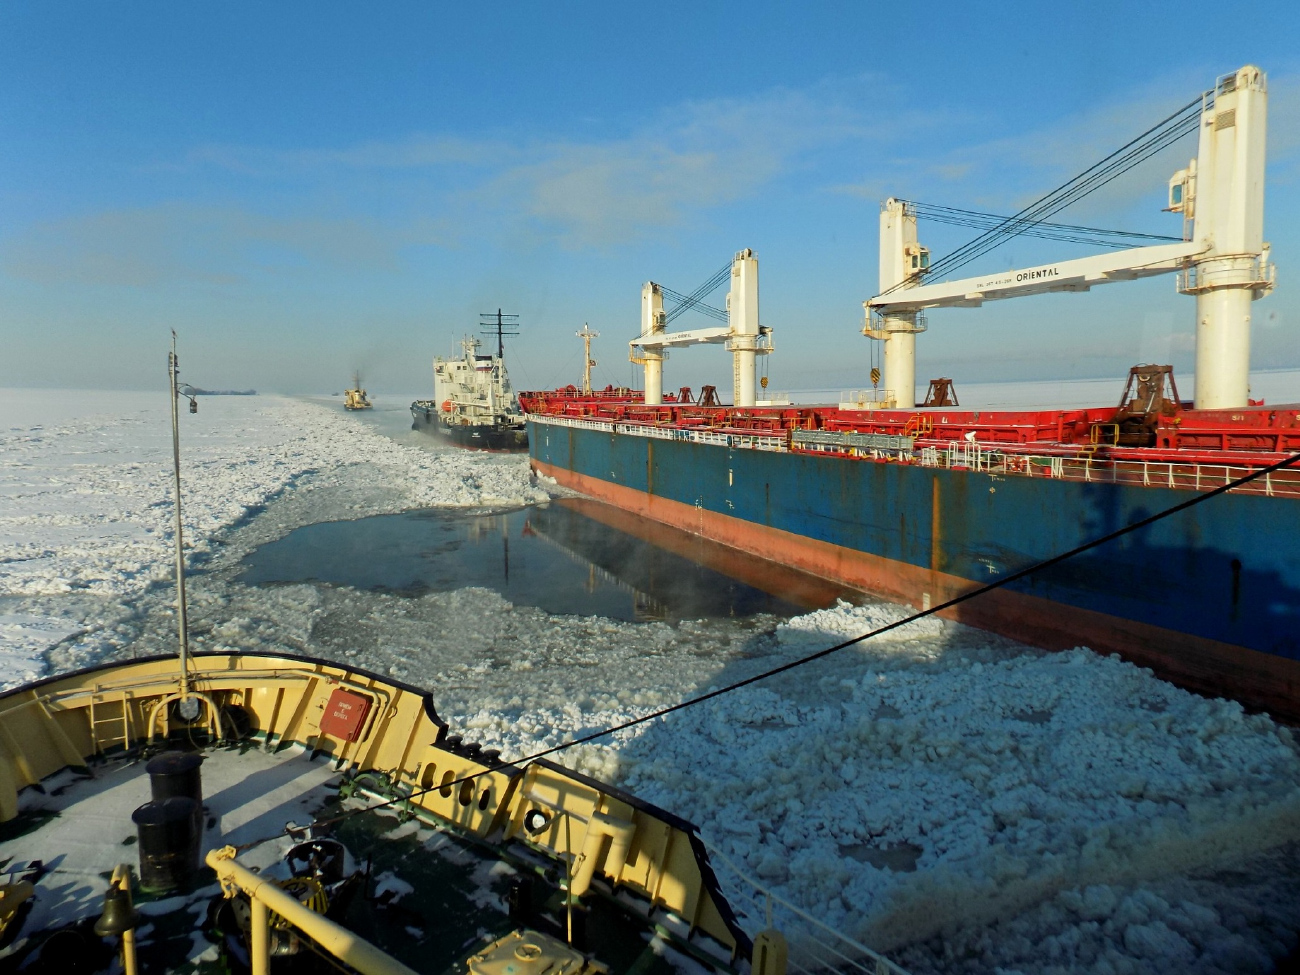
(1062, 462)
(866, 399)
(265, 897)
(815, 947)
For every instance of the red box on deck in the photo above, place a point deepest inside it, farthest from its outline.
(345, 715)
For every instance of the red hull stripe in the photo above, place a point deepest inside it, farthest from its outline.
(1257, 680)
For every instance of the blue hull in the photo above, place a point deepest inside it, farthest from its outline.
(1225, 574)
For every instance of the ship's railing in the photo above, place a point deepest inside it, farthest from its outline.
(1063, 463)
(751, 441)
(815, 947)
(266, 898)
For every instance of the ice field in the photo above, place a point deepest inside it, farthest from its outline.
(967, 803)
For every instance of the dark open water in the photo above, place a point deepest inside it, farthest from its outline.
(572, 556)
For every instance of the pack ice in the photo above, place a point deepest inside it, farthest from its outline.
(967, 803)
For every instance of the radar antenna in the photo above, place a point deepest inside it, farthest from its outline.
(501, 325)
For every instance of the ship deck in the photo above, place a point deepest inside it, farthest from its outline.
(76, 827)
(430, 896)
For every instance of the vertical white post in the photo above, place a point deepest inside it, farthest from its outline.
(652, 321)
(587, 334)
(654, 379)
(900, 364)
(1227, 201)
(742, 308)
(898, 251)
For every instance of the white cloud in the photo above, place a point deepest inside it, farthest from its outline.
(702, 155)
(589, 193)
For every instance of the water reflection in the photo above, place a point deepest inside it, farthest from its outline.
(571, 556)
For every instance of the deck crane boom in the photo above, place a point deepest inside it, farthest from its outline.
(744, 337)
(1224, 262)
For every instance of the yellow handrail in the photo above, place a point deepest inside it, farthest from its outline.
(267, 896)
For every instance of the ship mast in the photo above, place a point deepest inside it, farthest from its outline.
(587, 334)
(502, 327)
(182, 617)
(190, 703)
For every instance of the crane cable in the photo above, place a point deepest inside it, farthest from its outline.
(1160, 136)
(703, 291)
(686, 303)
(1049, 231)
(525, 761)
(1163, 134)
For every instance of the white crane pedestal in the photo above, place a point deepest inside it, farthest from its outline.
(743, 337)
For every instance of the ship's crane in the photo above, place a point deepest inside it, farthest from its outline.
(744, 337)
(1223, 259)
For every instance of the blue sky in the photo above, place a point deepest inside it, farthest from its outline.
(307, 189)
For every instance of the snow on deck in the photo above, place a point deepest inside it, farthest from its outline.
(982, 805)
(250, 793)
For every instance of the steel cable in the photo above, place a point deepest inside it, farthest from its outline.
(525, 761)
(707, 288)
(1049, 231)
(1160, 136)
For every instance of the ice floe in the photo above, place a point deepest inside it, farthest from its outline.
(971, 804)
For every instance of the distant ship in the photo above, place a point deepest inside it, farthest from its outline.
(355, 398)
(473, 402)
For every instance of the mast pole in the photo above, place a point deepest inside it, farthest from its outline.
(587, 334)
(487, 326)
(182, 620)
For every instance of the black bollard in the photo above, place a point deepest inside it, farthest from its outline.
(169, 843)
(174, 774)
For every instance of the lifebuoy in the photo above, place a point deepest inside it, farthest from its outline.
(446, 406)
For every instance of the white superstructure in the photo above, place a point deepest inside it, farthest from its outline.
(474, 390)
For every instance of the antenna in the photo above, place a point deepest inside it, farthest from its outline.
(189, 703)
(501, 325)
(587, 334)
(182, 618)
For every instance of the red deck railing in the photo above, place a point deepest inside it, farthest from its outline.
(1254, 435)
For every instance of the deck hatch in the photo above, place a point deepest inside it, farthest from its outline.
(345, 715)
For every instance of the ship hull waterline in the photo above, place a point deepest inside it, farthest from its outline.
(1203, 663)
(507, 439)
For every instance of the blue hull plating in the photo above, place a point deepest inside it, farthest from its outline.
(1227, 570)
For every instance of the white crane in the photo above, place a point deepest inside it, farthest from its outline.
(744, 337)
(1223, 261)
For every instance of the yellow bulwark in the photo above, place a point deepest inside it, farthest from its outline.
(603, 839)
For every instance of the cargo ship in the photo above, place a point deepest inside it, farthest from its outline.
(473, 402)
(923, 502)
